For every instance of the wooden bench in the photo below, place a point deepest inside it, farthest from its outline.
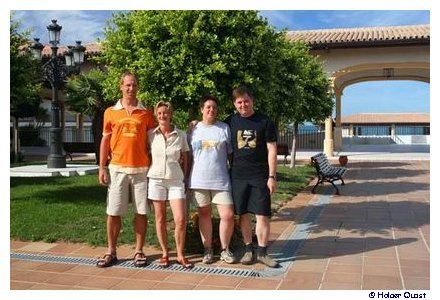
(327, 172)
(283, 149)
(78, 147)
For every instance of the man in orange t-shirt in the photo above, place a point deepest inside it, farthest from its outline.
(124, 139)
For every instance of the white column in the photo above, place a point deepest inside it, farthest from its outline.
(393, 130)
(338, 127)
(328, 140)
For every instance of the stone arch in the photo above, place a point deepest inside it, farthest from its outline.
(354, 55)
(416, 71)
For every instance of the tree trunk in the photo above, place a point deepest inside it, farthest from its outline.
(79, 127)
(16, 140)
(293, 152)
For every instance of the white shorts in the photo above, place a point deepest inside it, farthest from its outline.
(165, 189)
(203, 198)
(118, 193)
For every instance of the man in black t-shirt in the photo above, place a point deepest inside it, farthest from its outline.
(253, 170)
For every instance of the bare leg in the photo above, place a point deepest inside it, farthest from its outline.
(226, 228)
(205, 225)
(178, 207)
(113, 229)
(160, 213)
(140, 228)
(246, 228)
(262, 230)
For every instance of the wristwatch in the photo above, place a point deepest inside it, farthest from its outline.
(273, 177)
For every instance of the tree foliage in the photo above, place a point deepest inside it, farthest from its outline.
(24, 83)
(302, 87)
(84, 94)
(181, 55)
(25, 80)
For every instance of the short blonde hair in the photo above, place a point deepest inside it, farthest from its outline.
(128, 74)
(164, 103)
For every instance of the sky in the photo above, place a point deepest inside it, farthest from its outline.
(367, 97)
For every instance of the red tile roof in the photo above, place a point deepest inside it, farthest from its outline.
(331, 38)
(91, 49)
(362, 37)
(386, 118)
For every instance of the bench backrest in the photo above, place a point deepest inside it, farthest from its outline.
(320, 162)
(282, 149)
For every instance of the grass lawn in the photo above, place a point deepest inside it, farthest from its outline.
(73, 208)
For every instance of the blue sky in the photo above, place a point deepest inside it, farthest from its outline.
(381, 96)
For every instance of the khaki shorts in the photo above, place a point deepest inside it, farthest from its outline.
(165, 189)
(203, 198)
(120, 187)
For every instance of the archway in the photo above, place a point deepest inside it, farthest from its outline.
(417, 71)
(354, 55)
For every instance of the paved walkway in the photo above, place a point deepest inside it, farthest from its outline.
(374, 236)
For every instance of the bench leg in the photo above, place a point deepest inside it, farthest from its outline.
(317, 183)
(337, 190)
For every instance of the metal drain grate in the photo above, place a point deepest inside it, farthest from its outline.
(129, 264)
(53, 259)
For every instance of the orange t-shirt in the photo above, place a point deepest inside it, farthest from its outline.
(128, 142)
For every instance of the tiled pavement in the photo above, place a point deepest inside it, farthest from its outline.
(375, 235)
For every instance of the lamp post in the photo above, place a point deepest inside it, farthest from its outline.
(55, 71)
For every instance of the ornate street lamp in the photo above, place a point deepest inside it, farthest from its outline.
(56, 71)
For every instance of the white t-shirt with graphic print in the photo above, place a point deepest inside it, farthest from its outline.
(210, 145)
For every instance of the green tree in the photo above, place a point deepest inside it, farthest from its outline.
(84, 94)
(181, 55)
(303, 89)
(25, 81)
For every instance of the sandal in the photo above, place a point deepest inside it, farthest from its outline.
(139, 259)
(164, 261)
(185, 263)
(107, 260)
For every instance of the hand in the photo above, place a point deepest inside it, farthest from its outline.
(103, 176)
(271, 185)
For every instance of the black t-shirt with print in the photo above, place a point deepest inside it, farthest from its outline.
(249, 142)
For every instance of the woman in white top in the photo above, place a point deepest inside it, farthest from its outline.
(210, 182)
(169, 148)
